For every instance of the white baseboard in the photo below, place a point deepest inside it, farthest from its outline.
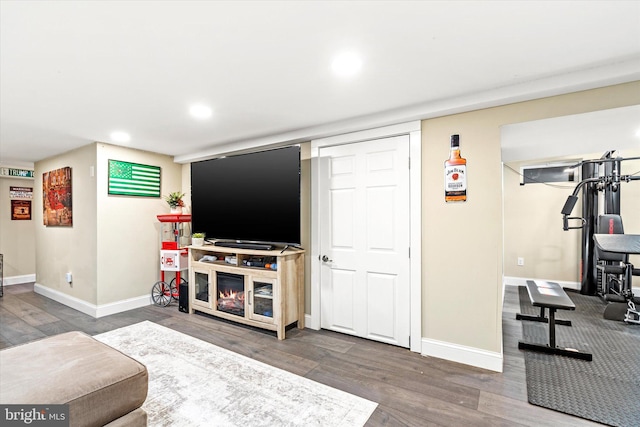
(92, 309)
(123, 305)
(68, 300)
(462, 354)
(522, 281)
(309, 323)
(18, 280)
(444, 350)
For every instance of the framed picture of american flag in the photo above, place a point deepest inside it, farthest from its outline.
(133, 179)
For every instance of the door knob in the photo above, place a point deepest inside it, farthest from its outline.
(326, 259)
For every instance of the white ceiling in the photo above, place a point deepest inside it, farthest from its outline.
(73, 72)
(616, 129)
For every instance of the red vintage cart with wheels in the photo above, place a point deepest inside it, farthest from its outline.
(173, 258)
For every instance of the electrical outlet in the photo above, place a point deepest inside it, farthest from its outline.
(520, 261)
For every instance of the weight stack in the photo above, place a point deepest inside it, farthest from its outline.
(183, 300)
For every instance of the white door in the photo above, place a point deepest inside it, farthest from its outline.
(364, 243)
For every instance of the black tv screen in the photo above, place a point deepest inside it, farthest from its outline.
(251, 197)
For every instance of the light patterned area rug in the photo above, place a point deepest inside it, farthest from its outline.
(194, 383)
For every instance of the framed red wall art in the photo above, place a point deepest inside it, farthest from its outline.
(56, 195)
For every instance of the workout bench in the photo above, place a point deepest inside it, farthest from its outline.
(550, 295)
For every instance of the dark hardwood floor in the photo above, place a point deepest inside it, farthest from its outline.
(411, 390)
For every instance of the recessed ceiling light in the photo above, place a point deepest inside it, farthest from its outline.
(120, 136)
(200, 111)
(346, 64)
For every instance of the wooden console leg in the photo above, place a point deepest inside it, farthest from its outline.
(300, 278)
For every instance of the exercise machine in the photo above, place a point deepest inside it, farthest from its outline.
(620, 292)
(601, 272)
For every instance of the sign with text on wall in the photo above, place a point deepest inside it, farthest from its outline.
(17, 173)
(20, 202)
(21, 192)
(133, 179)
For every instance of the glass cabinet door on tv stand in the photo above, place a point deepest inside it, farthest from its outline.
(262, 299)
(201, 288)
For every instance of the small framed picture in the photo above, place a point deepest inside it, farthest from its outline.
(21, 210)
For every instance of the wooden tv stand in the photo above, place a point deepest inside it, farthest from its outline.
(252, 295)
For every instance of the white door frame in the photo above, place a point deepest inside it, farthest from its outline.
(415, 222)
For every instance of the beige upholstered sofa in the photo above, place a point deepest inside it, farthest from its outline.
(101, 385)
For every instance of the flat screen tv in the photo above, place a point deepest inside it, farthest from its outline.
(248, 198)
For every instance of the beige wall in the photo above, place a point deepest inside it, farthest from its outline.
(17, 238)
(533, 223)
(69, 249)
(305, 220)
(462, 243)
(113, 247)
(128, 233)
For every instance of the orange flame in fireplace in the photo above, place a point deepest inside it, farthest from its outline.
(230, 294)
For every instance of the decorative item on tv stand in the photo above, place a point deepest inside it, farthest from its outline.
(173, 258)
(197, 239)
(175, 202)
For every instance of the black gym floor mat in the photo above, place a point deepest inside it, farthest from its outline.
(605, 390)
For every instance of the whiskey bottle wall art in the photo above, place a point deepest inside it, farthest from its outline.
(455, 174)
